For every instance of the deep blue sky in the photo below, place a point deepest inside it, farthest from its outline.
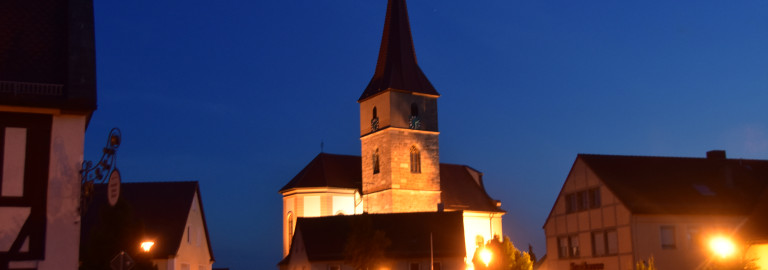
(239, 94)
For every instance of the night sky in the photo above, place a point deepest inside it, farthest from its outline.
(239, 95)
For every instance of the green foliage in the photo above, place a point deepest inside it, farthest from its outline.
(505, 256)
(732, 264)
(365, 246)
(117, 230)
(643, 265)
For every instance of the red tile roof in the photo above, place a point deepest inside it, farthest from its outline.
(397, 68)
(460, 190)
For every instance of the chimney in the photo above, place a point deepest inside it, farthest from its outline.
(716, 154)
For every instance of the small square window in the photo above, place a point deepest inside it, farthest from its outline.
(668, 237)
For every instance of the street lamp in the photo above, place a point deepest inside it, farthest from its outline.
(722, 246)
(485, 256)
(146, 246)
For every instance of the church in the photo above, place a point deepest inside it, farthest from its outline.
(397, 181)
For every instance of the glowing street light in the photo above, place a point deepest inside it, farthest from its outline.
(485, 256)
(147, 245)
(722, 246)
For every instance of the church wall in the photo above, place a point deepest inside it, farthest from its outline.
(381, 102)
(486, 225)
(401, 110)
(313, 202)
(395, 173)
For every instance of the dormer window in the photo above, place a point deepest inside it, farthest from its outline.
(415, 160)
(414, 122)
(374, 121)
(375, 161)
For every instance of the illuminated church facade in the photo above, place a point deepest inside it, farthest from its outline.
(398, 170)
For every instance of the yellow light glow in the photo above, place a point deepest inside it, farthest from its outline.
(146, 246)
(485, 256)
(722, 246)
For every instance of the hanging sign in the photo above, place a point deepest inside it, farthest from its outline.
(113, 187)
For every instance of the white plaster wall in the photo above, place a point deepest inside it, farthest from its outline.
(194, 248)
(63, 219)
(686, 254)
(315, 202)
(485, 224)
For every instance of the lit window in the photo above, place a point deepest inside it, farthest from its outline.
(415, 160)
(668, 237)
(376, 161)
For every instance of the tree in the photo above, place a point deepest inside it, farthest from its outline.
(505, 256)
(117, 230)
(643, 265)
(365, 248)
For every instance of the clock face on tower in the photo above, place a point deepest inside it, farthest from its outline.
(374, 124)
(414, 122)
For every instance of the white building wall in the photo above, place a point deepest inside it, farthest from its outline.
(63, 218)
(193, 251)
(480, 224)
(316, 202)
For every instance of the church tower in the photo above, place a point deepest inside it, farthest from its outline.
(398, 126)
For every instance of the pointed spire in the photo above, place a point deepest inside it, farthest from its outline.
(397, 68)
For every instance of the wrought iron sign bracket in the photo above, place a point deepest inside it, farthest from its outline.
(101, 171)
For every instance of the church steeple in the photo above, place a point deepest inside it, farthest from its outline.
(398, 127)
(397, 68)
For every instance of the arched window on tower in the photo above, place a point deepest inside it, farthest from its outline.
(289, 218)
(415, 160)
(376, 161)
(374, 120)
(414, 121)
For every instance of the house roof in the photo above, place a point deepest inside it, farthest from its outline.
(396, 67)
(163, 207)
(756, 226)
(47, 55)
(329, 170)
(324, 238)
(460, 189)
(676, 185)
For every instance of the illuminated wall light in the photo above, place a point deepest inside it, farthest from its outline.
(147, 246)
(722, 246)
(485, 256)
